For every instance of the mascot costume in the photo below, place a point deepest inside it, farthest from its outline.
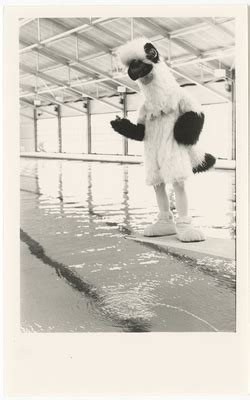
(169, 122)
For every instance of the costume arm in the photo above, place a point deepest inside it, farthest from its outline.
(128, 129)
(189, 125)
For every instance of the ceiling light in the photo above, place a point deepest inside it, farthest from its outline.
(121, 89)
(219, 72)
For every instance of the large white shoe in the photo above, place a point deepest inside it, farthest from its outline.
(186, 232)
(164, 226)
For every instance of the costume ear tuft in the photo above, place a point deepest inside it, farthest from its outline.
(151, 52)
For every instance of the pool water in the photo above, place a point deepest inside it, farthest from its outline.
(80, 273)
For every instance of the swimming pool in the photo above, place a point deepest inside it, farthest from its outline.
(79, 273)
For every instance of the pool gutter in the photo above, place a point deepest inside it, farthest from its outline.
(220, 164)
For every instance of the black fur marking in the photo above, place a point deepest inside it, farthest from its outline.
(188, 127)
(208, 162)
(138, 69)
(128, 129)
(151, 53)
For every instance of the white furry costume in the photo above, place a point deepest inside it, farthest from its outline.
(166, 160)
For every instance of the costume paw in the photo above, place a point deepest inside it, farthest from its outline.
(160, 229)
(128, 129)
(119, 124)
(191, 235)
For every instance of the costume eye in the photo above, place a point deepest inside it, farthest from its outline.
(151, 52)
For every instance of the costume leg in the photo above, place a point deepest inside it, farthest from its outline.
(185, 230)
(181, 200)
(164, 225)
(162, 198)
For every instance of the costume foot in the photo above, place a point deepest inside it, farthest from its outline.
(164, 226)
(186, 232)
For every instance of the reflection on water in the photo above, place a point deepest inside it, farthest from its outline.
(75, 217)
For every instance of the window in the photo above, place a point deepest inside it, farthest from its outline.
(216, 136)
(47, 135)
(74, 134)
(104, 139)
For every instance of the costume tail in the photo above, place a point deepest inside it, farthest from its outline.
(206, 164)
(200, 160)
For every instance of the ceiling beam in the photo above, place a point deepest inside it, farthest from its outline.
(206, 56)
(66, 62)
(89, 70)
(198, 83)
(67, 86)
(53, 38)
(30, 92)
(95, 73)
(104, 20)
(75, 83)
(60, 103)
(61, 58)
(176, 33)
(53, 55)
(89, 25)
(92, 42)
(175, 62)
(107, 31)
(62, 35)
(173, 70)
(219, 27)
(173, 34)
(25, 21)
(37, 107)
(47, 78)
(187, 78)
(104, 74)
(206, 24)
(165, 33)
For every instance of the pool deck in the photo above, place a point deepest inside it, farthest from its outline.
(214, 247)
(130, 159)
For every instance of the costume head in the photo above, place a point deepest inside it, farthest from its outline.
(139, 55)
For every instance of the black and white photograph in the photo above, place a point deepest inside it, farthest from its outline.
(125, 195)
(127, 174)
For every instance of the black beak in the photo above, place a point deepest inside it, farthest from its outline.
(138, 69)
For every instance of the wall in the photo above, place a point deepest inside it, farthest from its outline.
(47, 135)
(27, 131)
(216, 137)
(74, 134)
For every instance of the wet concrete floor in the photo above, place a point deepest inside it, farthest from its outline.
(79, 273)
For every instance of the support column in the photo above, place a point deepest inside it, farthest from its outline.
(233, 155)
(125, 113)
(35, 129)
(89, 143)
(59, 117)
